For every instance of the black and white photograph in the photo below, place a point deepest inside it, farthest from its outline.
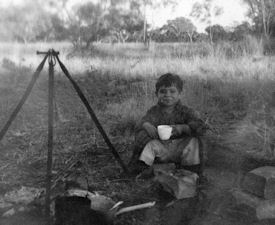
(137, 112)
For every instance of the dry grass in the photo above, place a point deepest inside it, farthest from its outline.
(229, 84)
(224, 82)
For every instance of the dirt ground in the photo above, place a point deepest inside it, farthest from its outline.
(214, 205)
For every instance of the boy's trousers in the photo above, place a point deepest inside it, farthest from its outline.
(183, 151)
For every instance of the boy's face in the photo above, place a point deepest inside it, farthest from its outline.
(168, 96)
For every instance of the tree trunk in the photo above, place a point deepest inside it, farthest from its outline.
(211, 34)
(264, 19)
(144, 25)
(190, 35)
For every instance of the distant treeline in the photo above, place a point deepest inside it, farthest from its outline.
(125, 21)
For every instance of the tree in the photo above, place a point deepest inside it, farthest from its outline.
(164, 34)
(34, 21)
(21, 22)
(106, 18)
(81, 24)
(241, 31)
(262, 12)
(182, 25)
(89, 18)
(144, 4)
(205, 12)
(218, 32)
(59, 31)
(123, 24)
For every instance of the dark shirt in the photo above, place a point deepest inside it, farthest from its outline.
(156, 115)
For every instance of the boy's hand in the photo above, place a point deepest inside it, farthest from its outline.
(151, 130)
(180, 129)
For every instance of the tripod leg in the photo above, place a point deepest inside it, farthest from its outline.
(92, 114)
(23, 99)
(50, 138)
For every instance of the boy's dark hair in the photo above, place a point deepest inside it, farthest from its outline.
(169, 79)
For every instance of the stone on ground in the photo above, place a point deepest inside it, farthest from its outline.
(181, 184)
(258, 192)
(266, 209)
(4, 206)
(246, 199)
(9, 213)
(260, 182)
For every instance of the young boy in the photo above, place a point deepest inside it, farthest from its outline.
(183, 147)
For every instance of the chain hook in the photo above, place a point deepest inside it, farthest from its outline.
(51, 58)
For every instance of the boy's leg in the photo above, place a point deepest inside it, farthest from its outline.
(184, 150)
(142, 160)
(141, 139)
(135, 154)
(190, 158)
(135, 166)
(164, 151)
(190, 154)
(152, 150)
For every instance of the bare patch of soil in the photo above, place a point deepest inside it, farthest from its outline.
(97, 170)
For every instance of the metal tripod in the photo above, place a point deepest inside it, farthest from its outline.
(52, 57)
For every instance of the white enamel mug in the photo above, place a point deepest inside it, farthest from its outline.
(164, 132)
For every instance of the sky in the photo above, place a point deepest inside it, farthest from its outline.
(233, 12)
